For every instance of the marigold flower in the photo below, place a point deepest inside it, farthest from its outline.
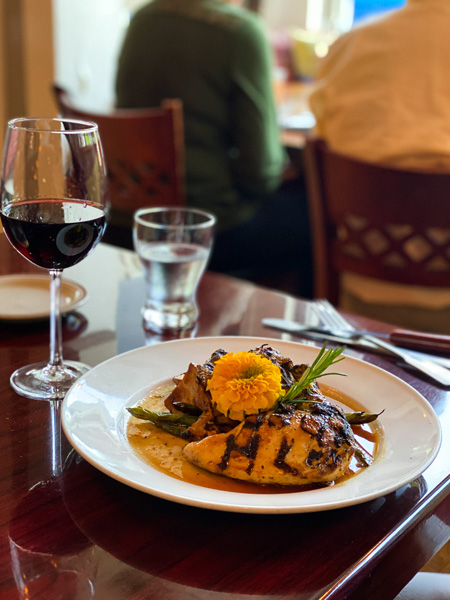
(244, 383)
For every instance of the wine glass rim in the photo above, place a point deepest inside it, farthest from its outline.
(86, 126)
(209, 221)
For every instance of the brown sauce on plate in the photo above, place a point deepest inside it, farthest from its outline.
(163, 451)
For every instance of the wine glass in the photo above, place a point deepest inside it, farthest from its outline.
(53, 190)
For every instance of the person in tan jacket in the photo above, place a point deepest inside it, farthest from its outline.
(383, 95)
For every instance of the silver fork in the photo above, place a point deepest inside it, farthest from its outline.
(330, 316)
(428, 365)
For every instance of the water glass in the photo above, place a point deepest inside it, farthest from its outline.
(174, 245)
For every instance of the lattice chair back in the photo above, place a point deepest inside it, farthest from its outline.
(145, 159)
(389, 224)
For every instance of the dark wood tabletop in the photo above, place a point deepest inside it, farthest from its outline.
(73, 533)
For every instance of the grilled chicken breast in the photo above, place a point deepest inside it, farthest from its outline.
(287, 447)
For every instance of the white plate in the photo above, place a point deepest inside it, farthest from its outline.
(94, 419)
(27, 297)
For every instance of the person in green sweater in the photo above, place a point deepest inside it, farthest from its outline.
(216, 58)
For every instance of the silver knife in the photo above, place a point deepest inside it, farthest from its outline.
(407, 338)
(293, 327)
(421, 363)
(319, 333)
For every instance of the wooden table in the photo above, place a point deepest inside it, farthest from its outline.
(90, 530)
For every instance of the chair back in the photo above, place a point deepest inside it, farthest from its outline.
(386, 223)
(145, 159)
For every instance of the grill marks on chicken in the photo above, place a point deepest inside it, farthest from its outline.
(286, 446)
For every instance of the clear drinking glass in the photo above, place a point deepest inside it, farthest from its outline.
(174, 245)
(53, 189)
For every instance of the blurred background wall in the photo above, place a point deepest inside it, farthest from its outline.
(26, 60)
(76, 43)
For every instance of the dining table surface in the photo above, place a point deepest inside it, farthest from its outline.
(70, 531)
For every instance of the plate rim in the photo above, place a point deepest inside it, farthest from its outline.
(44, 278)
(230, 503)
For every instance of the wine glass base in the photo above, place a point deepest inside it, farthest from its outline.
(43, 382)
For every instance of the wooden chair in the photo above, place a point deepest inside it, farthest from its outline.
(385, 223)
(145, 159)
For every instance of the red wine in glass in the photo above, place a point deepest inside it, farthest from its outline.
(52, 191)
(54, 234)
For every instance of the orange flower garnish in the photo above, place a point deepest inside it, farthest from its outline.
(244, 383)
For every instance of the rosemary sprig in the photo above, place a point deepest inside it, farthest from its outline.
(321, 363)
(175, 424)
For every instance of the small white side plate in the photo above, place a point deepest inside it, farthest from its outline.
(26, 297)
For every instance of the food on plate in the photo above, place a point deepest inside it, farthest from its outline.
(285, 446)
(256, 416)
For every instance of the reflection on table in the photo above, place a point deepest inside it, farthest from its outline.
(102, 536)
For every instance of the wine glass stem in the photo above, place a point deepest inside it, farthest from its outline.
(56, 360)
(55, 408)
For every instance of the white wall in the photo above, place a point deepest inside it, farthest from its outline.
(281, 14)
(88, 35)
(87, 38)
(308, 14)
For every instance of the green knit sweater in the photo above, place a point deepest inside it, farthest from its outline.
(217, 60)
